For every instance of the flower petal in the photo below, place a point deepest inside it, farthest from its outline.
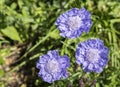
(64, 61)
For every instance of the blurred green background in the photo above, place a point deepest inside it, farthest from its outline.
(27, 30)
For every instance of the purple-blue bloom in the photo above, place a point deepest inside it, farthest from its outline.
(92, 55)
(73, 22)
(52, 66)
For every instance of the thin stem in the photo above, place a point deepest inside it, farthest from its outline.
(41, 41)
(35, 46)
(54, 85)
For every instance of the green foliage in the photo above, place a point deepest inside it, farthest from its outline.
(32, 22)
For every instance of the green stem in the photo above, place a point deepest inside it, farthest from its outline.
(31, 58)
(35, 46)
(23, 63)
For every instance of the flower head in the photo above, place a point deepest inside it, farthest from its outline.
(73, 22)
(52, 66)
(92, 54)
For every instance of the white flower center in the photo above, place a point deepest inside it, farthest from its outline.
(52, 66)
(74, 22)
(92, 55)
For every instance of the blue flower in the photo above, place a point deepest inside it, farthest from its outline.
(73, 22)
(92, 55)
(52, 66)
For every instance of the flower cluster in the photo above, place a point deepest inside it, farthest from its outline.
(91, 54)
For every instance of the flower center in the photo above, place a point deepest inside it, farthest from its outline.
(92, 55)
(52, 66)
(74, 22)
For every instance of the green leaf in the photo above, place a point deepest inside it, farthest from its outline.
(1, 73)
(1, 61)
(12, 33)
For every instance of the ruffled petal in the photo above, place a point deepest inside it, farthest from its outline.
(64, 61)
(91, 66)
(47, 78)
(85, 65)
(53, 54)
(97, 68)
